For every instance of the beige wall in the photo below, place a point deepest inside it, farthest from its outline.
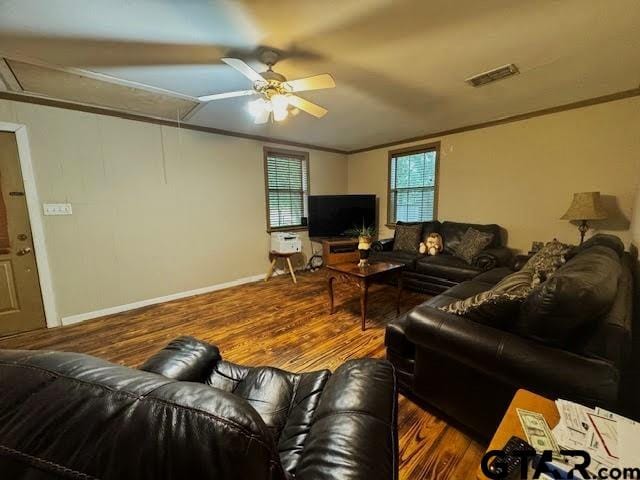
(152, 215)
(635, 223)
(156, 211)
(522, 175)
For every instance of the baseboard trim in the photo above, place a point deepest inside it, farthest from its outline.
(81, 317)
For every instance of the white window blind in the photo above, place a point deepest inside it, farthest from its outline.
(287, 182)
(413, 186)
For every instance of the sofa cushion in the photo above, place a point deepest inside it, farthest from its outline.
(270, 391)
(452, 233)
(576, 295)
(471, 244)
(304, 404)
(498, 304)
(611, 337)
(406, 258)
(447, 266)
(407, 238)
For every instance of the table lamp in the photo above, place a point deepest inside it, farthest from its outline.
(585, 206)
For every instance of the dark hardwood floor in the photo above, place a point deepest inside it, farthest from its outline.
(283, 325)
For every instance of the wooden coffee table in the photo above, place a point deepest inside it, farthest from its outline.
(360, 278)
(510, 425)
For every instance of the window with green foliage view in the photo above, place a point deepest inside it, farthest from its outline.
(287, 185)
(413, 185)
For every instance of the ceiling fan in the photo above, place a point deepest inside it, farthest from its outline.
(275, 91)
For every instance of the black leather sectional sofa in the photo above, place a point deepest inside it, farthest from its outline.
(435, 274)
(188, 414)
(571, 338)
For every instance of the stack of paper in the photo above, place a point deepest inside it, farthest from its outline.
(607, 437)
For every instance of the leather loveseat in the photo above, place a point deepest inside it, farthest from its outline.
(470, 370)
(435, 274)
(189, 414)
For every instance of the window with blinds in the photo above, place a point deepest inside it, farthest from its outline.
(413, 184)
(287, 188)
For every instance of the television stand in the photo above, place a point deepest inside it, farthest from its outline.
(339, 250)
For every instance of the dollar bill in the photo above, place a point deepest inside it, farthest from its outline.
(537, 431)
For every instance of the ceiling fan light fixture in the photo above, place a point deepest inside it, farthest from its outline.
(279, 101)
(279, 114)
(258, 107)
(280, 104)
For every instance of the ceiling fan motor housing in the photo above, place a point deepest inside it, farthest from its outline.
(271, 75)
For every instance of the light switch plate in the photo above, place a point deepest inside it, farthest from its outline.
(57, 209)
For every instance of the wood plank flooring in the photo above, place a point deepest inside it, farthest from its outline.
(283, 325)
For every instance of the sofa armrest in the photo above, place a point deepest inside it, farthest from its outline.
(384, 245)
(513, 359)
(354, 431)
(492, 258)
(184, 358)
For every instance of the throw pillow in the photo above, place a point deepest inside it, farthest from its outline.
(471, 244)
(573, 299)
(407, 238)
(496, 305)
(547, 260)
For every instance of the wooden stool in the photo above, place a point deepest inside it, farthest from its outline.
(274, 256)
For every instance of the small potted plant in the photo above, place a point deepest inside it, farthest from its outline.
(365, 236)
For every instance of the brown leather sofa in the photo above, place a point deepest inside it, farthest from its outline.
(571, 338)
(435, 274)
(189, 414)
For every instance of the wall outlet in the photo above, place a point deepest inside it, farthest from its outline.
(57, 209)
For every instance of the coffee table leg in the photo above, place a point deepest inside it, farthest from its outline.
(399, 292)
(364, 293)
(330, 287)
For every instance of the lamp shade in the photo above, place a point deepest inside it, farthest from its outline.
(585, 206)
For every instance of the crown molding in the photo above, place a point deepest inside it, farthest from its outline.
(81, 107)
(39, 100)
(634, 92)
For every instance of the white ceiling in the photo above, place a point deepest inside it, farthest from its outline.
(399, 65)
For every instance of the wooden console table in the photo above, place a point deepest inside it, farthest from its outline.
(361, 278)
(339, 250)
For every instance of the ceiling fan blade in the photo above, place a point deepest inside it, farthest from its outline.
(244, 69)
(220, 96)
(307, 106)
(317, 82)
(263, 117)
(95, 52)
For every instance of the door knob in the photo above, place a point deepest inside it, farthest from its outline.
(23, 251)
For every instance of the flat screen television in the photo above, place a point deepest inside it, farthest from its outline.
(333, 215)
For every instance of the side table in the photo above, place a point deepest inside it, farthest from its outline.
(510, 425)
(274, 256)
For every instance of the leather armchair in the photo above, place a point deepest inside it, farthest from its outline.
(191, 414)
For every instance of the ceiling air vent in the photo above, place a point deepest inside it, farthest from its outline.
(492, 75)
